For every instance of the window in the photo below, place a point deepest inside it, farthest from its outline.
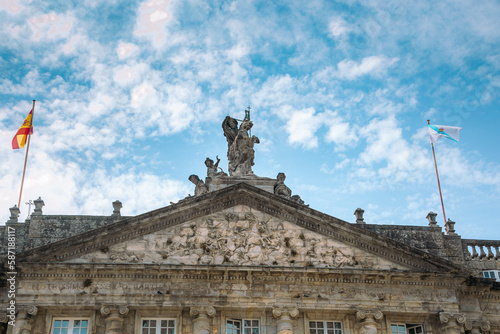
(244, 326)
(70, 326)
(325, 327)
(492, 274)
(158, 326)
(407, 329)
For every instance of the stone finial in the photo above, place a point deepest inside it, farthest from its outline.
(14, 214)
(359, 216)
(450, 227)
(39, 204)
(117, 205)
(431, 217)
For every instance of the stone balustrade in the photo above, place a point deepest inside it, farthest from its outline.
(481, 249)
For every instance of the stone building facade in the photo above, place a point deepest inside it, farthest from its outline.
(243, 256)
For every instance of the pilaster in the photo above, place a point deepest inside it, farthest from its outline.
(368, 321)
(114, 318)
(452, 322)
(285, 317)
(24, 320)
(202, 321)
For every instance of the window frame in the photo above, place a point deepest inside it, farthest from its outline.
(413, 325)
(242, 323)
(70, 329)
(142, 318)
(325, 326)
(495, 272)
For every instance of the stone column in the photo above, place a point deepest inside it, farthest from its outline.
(114, 318)
(367, 321)
(202, 323)
(452, 323)
(24, 320)
(285, 317)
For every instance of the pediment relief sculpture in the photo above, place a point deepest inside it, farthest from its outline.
(236, 237)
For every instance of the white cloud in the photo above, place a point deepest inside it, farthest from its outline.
(12, 7)
(338, 27)
(153, 18)
(302, 126)
(374, 65)
(51, 26)
(127, 75)
(386, 144)
(340, 132)
(126, 50)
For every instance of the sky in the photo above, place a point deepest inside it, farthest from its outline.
(130, 97)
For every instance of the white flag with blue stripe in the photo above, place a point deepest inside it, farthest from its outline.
(439, 131)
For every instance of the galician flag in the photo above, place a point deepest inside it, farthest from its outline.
(439, 131)
(22, 134)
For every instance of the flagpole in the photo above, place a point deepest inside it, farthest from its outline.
(26, 157)
(437, 175)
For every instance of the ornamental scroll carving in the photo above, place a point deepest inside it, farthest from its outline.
(452, 322)
(241, 238)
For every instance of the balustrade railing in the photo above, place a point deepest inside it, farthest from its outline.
(481, 250)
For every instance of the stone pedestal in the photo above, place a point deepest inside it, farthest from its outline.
(114, 318)
(285, 317)
(264, 183)
(202, 323)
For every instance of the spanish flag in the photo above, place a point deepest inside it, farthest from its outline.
(26, 129)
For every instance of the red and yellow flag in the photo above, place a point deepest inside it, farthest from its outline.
(20, 138)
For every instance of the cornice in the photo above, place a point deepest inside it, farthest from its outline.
(236, 275)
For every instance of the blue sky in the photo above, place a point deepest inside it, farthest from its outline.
(131, 96)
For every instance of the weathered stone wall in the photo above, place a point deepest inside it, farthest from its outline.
(428, 239)
(45, 229)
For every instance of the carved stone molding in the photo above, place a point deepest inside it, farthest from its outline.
(285, 316)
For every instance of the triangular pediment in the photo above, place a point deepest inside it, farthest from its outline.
(238, 226)
(239, 236)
